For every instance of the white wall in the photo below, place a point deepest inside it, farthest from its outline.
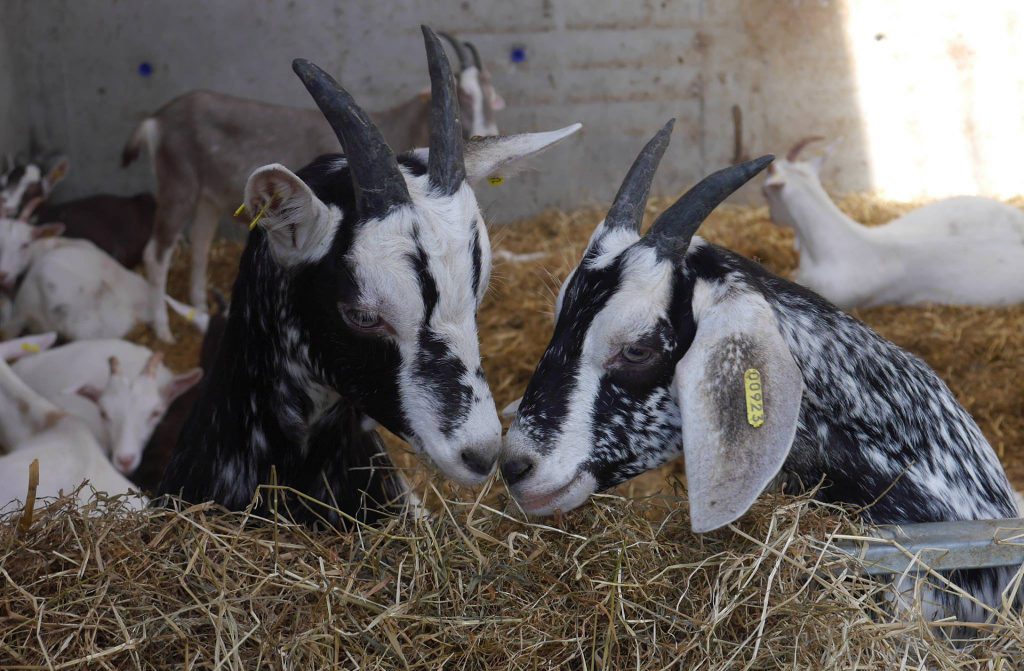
(793, 67)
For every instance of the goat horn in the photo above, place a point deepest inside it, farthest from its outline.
(115, 366)
(379, 184)
(476, 56)
(445, 164)
(795, 150)
(153, 364)
(673, 229)
(460, 53)
(627, 210)
(30, 207)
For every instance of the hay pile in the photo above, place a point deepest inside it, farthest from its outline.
(620, 583)
(473, 588)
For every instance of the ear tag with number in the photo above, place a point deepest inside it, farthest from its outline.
(496, 180)
(754, 389)
(30, 347)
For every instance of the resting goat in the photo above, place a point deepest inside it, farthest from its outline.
(965, 250)
(69, 286)
(118, 225)
(203, 145)
(121, 391)
(356, 295)
(68, 453)
(667, 345)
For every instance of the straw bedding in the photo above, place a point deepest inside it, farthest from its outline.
(620, 583)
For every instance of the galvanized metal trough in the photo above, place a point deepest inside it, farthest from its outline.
(908, 548)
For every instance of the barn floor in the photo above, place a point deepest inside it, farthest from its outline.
(979, 352)
(615, 584)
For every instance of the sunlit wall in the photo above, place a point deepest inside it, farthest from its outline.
(940, 87)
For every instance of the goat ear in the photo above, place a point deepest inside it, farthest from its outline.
(90, 392)
(179, 384)
(818, 162)
(739, 394)
(296, 221)
(12, 350)
(58, 171)
(51, 230)
(494, 155)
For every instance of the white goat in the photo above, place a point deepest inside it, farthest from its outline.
(70, 286)
(964, 250)
(67, 452)
(121, 391)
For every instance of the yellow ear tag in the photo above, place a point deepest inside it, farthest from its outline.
(755, 397)
(259, 215)
(191, 315)
(29, 347)
(496, 180)
(241, 208)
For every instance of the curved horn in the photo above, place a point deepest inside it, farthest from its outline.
(460, 53)
(673, 229)
(445, 166)
(115, 366)
(476, 56)
(378, 183)
(153, 364)
(627, 210)
(795, 150)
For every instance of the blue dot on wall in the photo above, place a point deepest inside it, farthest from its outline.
(145, 69)
(518, 55)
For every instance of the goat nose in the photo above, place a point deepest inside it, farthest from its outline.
(124, 464)
(477, 461)
(515, 469)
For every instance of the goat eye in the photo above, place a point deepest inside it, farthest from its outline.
(636, 354)
(362, 319)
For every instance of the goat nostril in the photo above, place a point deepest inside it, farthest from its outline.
(477, 462)
(515, 469)
(124, 463)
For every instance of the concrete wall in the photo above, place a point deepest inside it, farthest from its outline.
(13, 115)
(790, 68)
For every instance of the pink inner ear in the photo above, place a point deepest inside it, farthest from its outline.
(179, 384)
(497, 103)
(90, 392)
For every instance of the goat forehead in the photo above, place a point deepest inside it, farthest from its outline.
(640, 301)
(395, 259)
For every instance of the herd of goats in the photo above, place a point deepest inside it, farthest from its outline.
(355, 304)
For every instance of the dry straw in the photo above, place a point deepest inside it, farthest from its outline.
(620, 584)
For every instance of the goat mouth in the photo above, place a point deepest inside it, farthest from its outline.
(536, 504)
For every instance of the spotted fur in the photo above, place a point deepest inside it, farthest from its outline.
(876, 428)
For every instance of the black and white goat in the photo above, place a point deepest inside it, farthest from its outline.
(356, 296)
(203, 145)
(665, 344)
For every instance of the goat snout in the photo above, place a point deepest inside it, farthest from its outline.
(479, 460)
(515, 469)
(125, 464)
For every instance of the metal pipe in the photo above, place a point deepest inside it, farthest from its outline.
(940, 546)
